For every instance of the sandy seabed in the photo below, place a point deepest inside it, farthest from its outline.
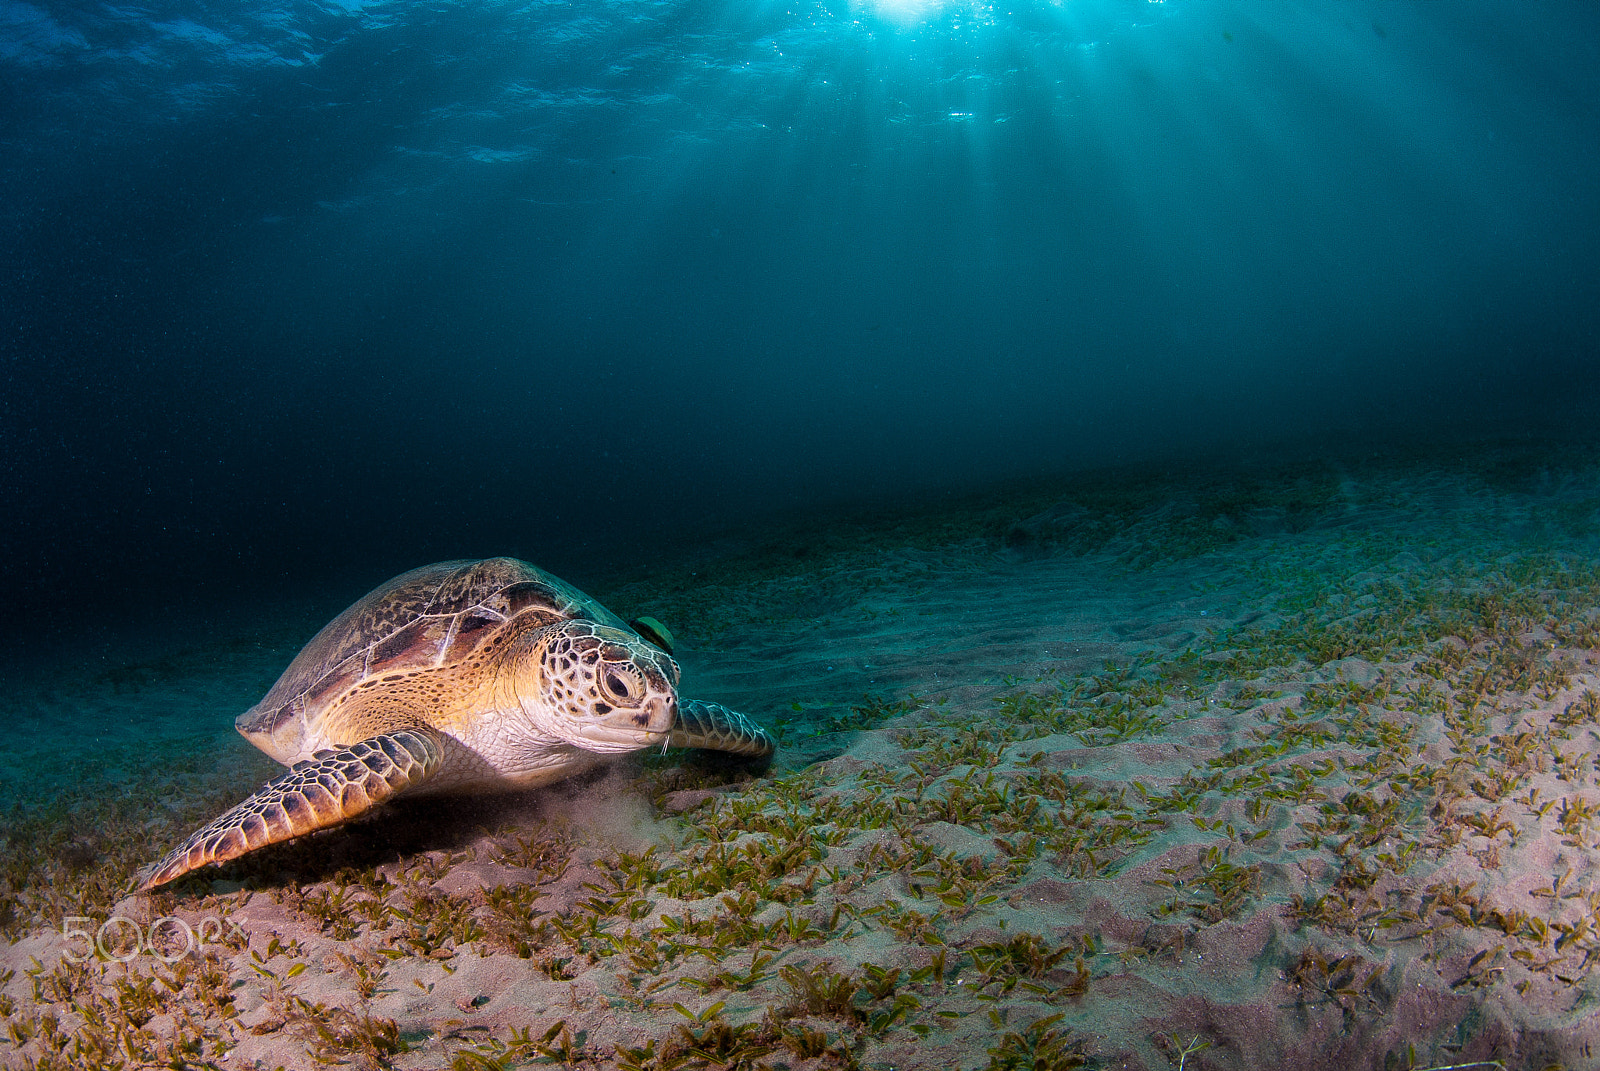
(1287, 770)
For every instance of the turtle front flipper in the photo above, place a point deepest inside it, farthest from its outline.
(714, 726)
(323, 791)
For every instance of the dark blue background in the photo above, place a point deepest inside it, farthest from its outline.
(311, 291)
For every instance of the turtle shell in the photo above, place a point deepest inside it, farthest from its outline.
(434, 616)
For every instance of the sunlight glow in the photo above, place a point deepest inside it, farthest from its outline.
(915, 12)
(908, 11)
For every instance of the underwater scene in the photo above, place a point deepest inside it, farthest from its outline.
(825, 534)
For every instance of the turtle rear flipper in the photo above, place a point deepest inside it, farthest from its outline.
(714, 726)
(331, 788)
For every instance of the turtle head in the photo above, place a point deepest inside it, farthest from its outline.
(602, 688)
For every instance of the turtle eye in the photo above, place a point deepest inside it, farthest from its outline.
(617, 686)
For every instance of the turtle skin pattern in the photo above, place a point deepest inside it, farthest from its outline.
(326, 790)
(461, 676)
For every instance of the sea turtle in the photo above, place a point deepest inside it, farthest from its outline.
(464, 676)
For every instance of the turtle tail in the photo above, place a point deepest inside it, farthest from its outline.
(714, 726)
(325, 790)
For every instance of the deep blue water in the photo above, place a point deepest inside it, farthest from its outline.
(291, 291)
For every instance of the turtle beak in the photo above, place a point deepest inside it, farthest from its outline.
(629, 730)
(659, 715)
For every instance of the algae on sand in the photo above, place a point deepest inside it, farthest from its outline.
(1311, 787)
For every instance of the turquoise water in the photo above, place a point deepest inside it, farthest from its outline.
(323, 290)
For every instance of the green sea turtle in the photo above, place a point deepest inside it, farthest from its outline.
(464, 676)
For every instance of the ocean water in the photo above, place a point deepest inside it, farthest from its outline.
(303, 292)
(1138, 457)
